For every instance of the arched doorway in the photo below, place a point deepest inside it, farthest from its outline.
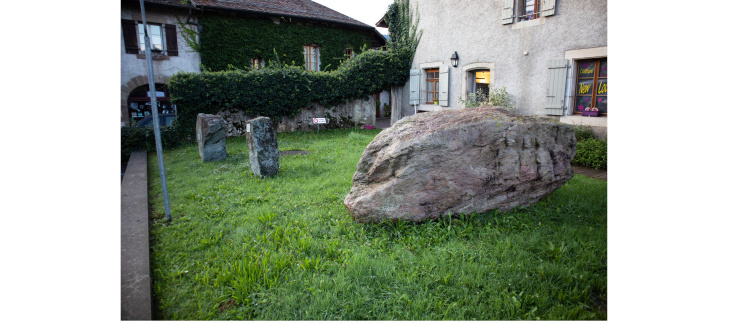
(139, 103)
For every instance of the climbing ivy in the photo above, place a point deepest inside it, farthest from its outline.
(226, 45)
(403, 26)
(229, 42)
(282, 88)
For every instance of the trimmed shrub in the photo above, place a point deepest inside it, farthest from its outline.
(583, 132)
(592, 153)
(143, 138)
(282, 91)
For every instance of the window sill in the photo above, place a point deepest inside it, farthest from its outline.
(155, 57)
(575, 119)
(529, 23)
(429, 107)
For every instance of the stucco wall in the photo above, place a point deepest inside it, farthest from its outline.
(134, 68)
(474, 29)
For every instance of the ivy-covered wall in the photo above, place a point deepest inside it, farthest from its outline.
(278, 92)
(232, 41)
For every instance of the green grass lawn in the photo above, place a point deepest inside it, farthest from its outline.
(285, 248)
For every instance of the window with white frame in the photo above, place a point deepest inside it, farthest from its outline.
(429, 85)
(311, 57)
(163, 37)
(155, 33)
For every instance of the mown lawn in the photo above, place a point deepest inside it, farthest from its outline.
(285, 248)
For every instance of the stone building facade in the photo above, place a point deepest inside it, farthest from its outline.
(541, 52)
(172, 54)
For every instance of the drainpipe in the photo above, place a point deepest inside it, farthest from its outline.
(155, 118)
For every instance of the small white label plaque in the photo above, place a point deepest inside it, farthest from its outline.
(319, 120)
(248, 128)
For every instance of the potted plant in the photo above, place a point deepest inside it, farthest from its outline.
(591, 112)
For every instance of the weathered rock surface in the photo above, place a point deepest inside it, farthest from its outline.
(460, 161)
(263, 150)
(211, 135)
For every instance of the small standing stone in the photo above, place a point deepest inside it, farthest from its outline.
(211, 134)
(263, 150)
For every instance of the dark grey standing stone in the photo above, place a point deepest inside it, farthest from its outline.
(263, 150)
(211, 134)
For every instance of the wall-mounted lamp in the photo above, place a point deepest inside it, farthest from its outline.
(455, 59)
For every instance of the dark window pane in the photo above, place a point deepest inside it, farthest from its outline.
(437, 86)
(603, 68)
(585, 87)
(602, 104)
(586, 69)
(429, 86)
(583, 102)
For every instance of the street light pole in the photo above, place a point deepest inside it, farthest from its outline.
(155, 118)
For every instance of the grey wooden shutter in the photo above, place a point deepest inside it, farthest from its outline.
(444, 85)
(548, 8)
(415, 87)
(557, 75)
(508, 8)
(129, 33)
(171, 39)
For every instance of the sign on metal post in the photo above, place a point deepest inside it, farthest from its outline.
(319, 121)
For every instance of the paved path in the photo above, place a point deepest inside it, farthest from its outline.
(135, 279)
(382, 123)
(593, 173)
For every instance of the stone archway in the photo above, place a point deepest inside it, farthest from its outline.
(127, 88)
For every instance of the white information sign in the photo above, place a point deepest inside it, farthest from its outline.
(319, 120)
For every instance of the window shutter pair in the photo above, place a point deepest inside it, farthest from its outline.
(508, 10)
(131, 46)
(556, 78)
(415, 86)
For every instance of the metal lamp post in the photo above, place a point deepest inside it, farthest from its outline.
(155, 118)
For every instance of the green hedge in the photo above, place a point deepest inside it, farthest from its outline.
(592, 153)
(277, 92)
(282, 88)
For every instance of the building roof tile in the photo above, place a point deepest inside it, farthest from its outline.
(291, 8)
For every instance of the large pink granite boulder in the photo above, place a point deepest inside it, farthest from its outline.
(460, 161)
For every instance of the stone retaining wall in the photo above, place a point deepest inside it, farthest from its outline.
(359, 111)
